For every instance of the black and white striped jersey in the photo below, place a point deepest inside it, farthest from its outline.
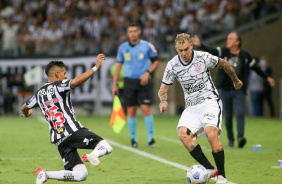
(54, 101)
(194, 77)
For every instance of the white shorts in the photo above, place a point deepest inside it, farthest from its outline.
(197, 118)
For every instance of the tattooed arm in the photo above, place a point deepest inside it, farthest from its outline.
(163, 97)
(230, 71)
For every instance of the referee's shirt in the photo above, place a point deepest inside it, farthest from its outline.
(136, 58)
(54, 101)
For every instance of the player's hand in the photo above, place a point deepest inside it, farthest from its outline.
(196, 41)
(163, 106)
(115, 90)
(271, 81)
(238, 84)
(29, 113)
(144, 79)
(99, 60)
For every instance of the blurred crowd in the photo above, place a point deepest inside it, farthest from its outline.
(88, 27)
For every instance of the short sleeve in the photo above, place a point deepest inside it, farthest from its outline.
(169, 75)
(120, 56)
(211, 60)
(152, 51)
(64, 85)
(31, 103)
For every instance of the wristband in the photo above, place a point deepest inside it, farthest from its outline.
(95, 68)
(148, 71)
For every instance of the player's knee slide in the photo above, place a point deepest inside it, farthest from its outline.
(82, 175)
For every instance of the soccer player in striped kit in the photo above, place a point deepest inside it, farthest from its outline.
(203, 110)
(66, 132)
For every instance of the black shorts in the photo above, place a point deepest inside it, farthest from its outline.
(81, 139)
(135, 93)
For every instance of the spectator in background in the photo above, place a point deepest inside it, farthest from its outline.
(255, 88)
(53, 36)
(267, 89)
(9, 37)
(241, 62)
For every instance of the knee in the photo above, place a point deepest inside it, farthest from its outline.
(212, 139)
(82, 176)
(184, 137)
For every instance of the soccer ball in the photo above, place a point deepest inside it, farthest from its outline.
(197, 174)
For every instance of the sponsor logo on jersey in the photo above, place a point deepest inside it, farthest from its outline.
(195, 102)
(190, 88)
(127, 56)
(60, 130)
(209, 116)
(140, 55)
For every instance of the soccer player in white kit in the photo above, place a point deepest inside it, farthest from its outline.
(203, 111)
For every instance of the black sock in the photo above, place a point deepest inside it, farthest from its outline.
(198, 155)
(219, 161)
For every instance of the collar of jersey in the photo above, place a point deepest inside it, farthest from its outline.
(186, 64)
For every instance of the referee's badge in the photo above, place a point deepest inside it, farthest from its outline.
(140, 55)
(127, 56)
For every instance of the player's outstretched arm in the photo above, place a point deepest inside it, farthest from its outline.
(26, 112)
(230, 71)
(163, 97)
(86, 75)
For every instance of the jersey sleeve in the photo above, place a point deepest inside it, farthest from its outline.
(120, 55)
(31, 103)
(211, 60)
(64, 85)
(169, 75)
(152, 51)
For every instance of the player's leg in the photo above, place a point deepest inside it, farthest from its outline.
(226, 97)
(130, 97)
(75, 170)
(239, 108)
(217, 148)
(212, 120)
(85, 139)
(186, 137)
(78, 173)
(188, 125)
(145, 99)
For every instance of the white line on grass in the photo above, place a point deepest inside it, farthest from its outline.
(151, 156)
(177, 141)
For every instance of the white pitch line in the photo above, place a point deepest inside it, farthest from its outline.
(151, 156)
(148, 155)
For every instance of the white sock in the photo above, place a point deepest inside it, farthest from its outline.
(102, 148)
(79, 173)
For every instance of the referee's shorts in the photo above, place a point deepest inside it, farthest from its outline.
(135, 93)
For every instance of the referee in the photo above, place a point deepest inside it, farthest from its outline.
(232, 99)
(139, 58)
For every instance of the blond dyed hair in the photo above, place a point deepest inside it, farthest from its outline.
(182, 38)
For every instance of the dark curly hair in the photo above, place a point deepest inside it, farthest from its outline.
(54, 63)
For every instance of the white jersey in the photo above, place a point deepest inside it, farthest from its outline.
(194, 77)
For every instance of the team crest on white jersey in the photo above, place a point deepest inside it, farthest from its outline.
(198, 67)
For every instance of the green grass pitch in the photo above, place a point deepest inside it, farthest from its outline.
(25, 146)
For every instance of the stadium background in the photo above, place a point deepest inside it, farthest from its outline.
(33, 30)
